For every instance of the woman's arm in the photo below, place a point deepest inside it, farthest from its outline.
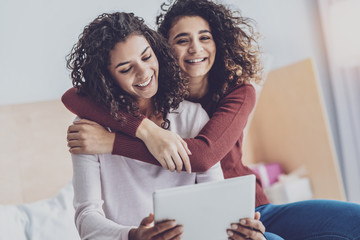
(214, 141)
(90, 218)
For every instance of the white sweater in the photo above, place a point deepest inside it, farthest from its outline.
(112, 194)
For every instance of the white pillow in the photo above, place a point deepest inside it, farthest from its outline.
(49, 219)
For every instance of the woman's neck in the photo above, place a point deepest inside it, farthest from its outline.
(198, 87)
(147, 108)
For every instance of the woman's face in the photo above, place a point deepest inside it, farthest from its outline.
(193, 44)
(134, 67)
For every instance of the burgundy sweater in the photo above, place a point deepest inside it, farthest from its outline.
(220, 139)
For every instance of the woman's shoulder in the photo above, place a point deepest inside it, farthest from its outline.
(247, 87)
(243, 91)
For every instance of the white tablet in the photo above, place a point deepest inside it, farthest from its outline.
(206, 210)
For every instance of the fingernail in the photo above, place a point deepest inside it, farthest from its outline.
(234, 226)
(242, 221)
(229, 233)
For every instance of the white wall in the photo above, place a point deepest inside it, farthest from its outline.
(37, 35)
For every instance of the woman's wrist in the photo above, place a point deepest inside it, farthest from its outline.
(111, 142)
(144, 129)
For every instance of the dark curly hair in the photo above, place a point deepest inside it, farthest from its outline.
(89, 60)
(237, 58)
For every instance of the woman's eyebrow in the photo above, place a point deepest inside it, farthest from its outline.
(187, 34)
(145, 50)
(204, 31)
(180, 35)
(123, 63)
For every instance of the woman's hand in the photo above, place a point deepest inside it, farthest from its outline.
(247, 228)
(167, 147)
(161, 231)
(88, 137)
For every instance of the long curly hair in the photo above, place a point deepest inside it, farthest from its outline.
(89, 60)
(237, 58)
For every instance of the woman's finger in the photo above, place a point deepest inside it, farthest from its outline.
(185, 145)
(183, 151)
(170, 234)
(163, 227)
(253, 223)
(76, 150)
(234, 235)
(177, 161)
(73, 128)
(74, 143)
(163, 164)
(80, 128)
(245, 232)
(73, 136)
(169, 162)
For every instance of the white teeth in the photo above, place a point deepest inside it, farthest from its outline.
(144, 84)
(195, 60)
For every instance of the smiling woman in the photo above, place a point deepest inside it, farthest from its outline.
(122, 72)
(134, 66)
(194, 47)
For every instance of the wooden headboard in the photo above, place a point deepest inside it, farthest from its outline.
(34, 159)
(289, 126)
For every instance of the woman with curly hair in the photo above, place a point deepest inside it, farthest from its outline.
(128, 68)
(216, 48)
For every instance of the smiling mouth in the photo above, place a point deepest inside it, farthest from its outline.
(197, 60)
(144, 84)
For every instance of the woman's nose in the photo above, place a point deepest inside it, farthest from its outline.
(195, 47)
(141, 70)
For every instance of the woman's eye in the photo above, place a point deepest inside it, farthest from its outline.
(126, 70)
(204, 38)
(181, 41)
(147, 58)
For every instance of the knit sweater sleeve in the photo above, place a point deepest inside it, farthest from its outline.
(90, 219)
(224, 129)
(85, 107)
